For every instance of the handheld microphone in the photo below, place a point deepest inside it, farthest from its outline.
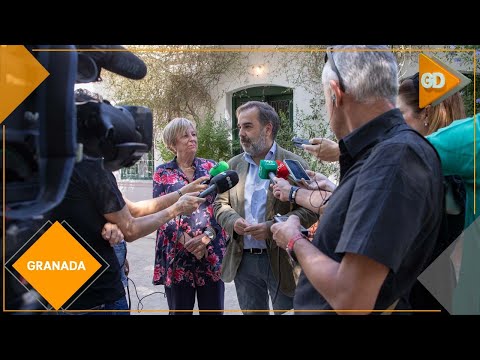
(120, 61)
(221, 183)
(268, 169)
(217, 169)
(282, 170)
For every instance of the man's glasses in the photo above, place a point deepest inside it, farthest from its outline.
(329, 57)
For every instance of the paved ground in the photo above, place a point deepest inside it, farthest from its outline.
(140, 257)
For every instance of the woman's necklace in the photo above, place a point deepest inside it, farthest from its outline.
(188, 171)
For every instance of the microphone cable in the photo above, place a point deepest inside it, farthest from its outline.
(324, 198)
(140, 305)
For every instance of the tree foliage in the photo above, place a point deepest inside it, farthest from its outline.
(214, 140)
(178, 83)
(181, 80)
(308, 125)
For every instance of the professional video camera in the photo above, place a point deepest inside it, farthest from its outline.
(54, 127)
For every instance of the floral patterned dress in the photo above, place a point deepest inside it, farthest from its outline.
(173, 263)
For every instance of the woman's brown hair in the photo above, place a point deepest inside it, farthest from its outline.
(438, 116)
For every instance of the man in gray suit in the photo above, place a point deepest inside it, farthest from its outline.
(252, 259)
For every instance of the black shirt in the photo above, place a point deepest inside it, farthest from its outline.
(387, 206)
(93, 192)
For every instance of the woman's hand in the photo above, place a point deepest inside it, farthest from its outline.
(197, 245)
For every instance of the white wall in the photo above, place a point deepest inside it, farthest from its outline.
(272, 75)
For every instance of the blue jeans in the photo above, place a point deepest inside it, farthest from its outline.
(120, 304)
(121, 253)
(254, 281)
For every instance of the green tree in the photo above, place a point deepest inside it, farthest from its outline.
(308, 125)
(214, 140)
(179, 83)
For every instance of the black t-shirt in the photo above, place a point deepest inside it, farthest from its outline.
(387, 206)
(93, 192)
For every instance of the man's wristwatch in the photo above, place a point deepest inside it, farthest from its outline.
(293, 194)
(291, 254)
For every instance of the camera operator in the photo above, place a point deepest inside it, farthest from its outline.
(93, 199)
(46, 135)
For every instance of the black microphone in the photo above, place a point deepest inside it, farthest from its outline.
(221, 183)
(120, 62)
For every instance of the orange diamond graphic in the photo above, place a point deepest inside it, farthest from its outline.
(56, 265)
(20, 75)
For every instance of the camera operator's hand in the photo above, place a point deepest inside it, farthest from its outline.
(318, 182)
(284, 231)
(188, 203)
(323, 149)
(281, 189)
(195, 186)
(197, 245)
(112, 233)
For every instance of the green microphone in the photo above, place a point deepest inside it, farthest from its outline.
(217, 169)
(268, 169)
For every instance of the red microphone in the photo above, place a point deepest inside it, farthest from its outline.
(282, 170)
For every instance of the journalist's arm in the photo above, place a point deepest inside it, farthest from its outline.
(151, 206)
(352, 284)
(134, 228)
(312, 196)
(306, 215)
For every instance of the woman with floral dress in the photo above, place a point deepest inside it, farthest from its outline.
(189, 249)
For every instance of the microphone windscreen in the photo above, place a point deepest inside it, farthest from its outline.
(282, 170)
(266, 167)
(117, 59)
(225, 181)
(217, 169)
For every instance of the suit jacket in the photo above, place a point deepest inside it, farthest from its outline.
(230, 206)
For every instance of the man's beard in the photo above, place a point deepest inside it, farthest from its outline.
(256, 149)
